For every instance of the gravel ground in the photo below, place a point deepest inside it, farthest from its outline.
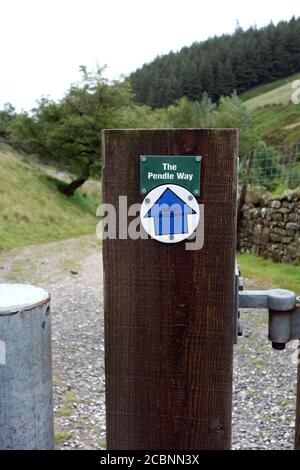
(264, 382)
(264, 388)
(71, 271)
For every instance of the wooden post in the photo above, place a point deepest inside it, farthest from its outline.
(169, 311)
(243, 192)
(297, 437)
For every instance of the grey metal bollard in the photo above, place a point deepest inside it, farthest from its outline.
(26, 403)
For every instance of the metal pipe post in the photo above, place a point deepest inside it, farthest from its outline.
(26, 405)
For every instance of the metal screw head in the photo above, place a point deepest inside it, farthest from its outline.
(190, 198)
(171, 237)
(196, 191)
(147, 200)
(198, 159)
(143, 158)
(144, 190)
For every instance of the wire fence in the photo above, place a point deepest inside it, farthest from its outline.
(274, 166)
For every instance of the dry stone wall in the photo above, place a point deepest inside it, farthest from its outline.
(270, 225)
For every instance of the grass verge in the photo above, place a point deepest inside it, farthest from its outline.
(269, 274)
(33, 211)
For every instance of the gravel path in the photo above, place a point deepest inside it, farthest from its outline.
(264, 383)
(264, 388)
(71, 271)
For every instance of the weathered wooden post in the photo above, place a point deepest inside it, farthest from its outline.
(168, 309)
(26, 407)
(297, 437)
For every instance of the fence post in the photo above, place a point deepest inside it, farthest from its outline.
(26, 407)
(297, 437)
(243, 192)
(168, 310)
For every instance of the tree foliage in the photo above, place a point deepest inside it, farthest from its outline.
(68, 132)
(221, 65)
(7, 114)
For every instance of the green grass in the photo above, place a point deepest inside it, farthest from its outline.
(275, 117)
(102, 444)
(262, 89)
(278, 124)
(61, 436)
(66, 408)
(33, 211)
(281, 95)
(269, 274)
(64, 411)
(258, 362)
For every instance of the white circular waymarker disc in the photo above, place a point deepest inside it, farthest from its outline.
(170, 213)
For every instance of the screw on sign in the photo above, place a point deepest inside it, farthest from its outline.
(156, 170)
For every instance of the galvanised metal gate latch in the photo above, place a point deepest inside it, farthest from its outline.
(284, 311)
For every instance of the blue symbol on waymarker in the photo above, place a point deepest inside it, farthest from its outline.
(170, 214)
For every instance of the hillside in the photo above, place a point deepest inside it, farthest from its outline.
(277, 92)
(275, 116)
(274, 86)
(220, 65)
(31, 208)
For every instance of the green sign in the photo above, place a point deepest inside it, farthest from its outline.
(165, 169)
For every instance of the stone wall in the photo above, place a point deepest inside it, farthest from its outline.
(270, 225)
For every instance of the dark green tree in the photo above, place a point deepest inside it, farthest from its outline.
(7, 114)
(68, 132)
(221, 64)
